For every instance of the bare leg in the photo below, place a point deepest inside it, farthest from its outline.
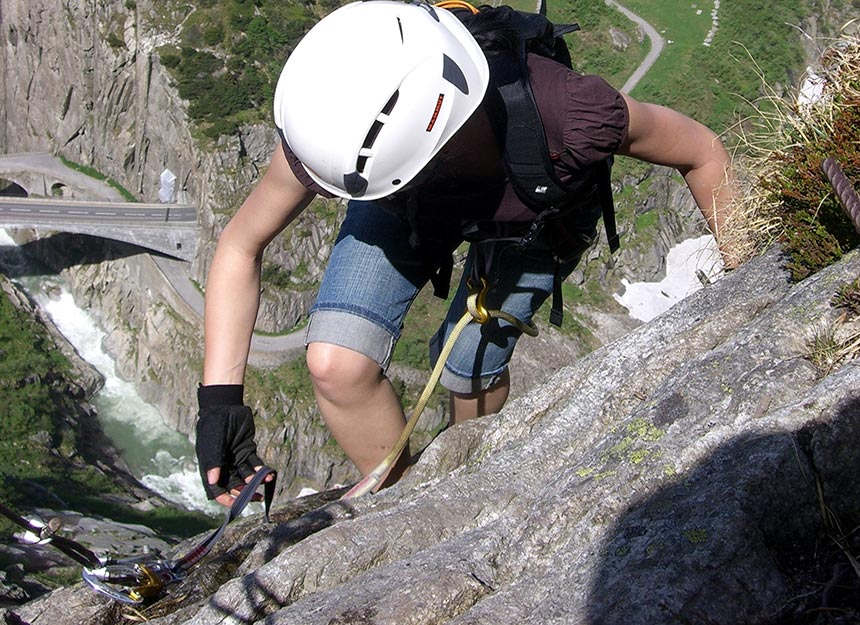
(358, 405)
(485, 402)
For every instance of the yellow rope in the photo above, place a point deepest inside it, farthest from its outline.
(475, 311)
(456, 4)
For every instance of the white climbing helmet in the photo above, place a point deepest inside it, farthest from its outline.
(374, 90)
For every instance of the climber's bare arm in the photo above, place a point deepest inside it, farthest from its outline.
(663, 136)
(233, 284)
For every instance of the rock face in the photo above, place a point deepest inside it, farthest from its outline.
(657, 480)
(676, 475)
(87, 73)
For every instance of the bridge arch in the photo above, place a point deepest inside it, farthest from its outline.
(32, 180)
(10, 188)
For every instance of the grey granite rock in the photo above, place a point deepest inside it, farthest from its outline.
(672, 476)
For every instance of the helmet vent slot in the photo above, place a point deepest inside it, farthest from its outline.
(373, 133)
(453, 74)
(370, 139)
(389, 106)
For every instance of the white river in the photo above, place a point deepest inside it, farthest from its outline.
(161, 458)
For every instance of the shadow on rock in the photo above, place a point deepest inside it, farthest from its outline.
(760, 533)
(247, 545)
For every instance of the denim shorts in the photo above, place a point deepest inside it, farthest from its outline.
(374, 274)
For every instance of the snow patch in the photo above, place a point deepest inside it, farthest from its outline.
(646, 300)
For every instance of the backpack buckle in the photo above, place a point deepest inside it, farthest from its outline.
(534, 230)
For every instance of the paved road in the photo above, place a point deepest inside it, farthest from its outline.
(265, 349)
(52, 167)
(110, 207)
(657, 44)
(43, 210)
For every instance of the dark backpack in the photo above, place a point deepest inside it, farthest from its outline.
(527, 160)
(563, 215)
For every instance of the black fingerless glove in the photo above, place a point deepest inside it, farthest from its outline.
(225, 437)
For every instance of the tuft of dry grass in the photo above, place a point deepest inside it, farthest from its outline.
(831, 343)
(783, 196)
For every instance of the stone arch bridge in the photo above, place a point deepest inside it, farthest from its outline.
(39, 192)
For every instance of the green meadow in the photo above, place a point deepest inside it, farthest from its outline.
(754, 43)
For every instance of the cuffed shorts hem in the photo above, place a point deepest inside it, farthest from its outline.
(352, 331)
(465, 385)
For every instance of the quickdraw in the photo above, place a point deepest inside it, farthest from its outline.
(134, 580)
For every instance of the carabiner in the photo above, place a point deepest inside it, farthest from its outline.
(134, 580)
(475, 300)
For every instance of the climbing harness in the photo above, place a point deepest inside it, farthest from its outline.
(475, 311)
(133, 580)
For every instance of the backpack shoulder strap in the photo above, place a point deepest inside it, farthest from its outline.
(530, 169)
(527, 160)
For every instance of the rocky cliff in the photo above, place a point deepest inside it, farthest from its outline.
(675, 475)
(85, 82)
(698, 470)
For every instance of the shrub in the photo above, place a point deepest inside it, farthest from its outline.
(170, 61)
(848, 299)
(115, 41)
(791, 198)
(214, 35)
(276, 276)
(231, 56)
(818, 231)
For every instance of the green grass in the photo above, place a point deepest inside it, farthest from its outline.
(30, 367)
(591, 48)
(713, 83)
(92, 173)
(288, 382)
(520, 5)
(646, 221)
(679, 23)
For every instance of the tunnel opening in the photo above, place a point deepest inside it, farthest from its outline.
(9, 188)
